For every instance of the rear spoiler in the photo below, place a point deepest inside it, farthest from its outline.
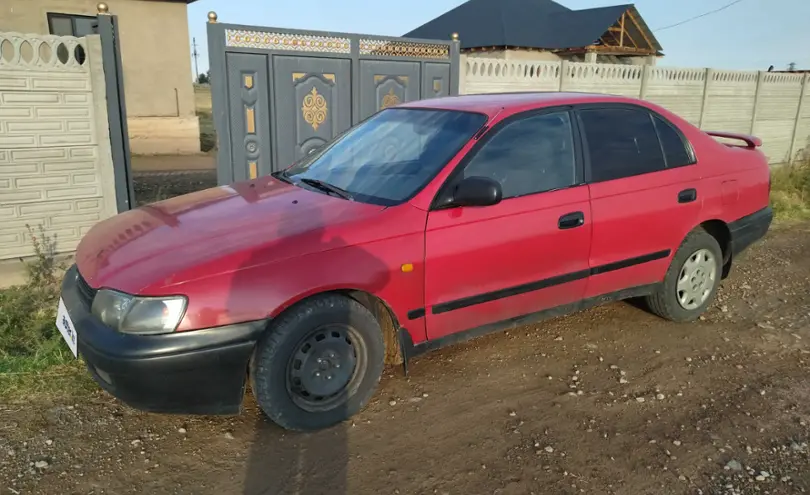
(750, 141)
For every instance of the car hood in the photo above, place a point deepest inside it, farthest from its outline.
(164, 244)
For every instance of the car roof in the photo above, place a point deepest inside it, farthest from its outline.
(492, 103)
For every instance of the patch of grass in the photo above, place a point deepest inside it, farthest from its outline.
(790, 191)
(208, 135)
(202, 97)
(33, 356)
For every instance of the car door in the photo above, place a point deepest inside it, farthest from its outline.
(523, 255)
(645, 194)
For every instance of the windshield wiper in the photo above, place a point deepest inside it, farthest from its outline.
(282, 176)
(327, 187)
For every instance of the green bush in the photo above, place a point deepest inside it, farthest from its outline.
(790, 191)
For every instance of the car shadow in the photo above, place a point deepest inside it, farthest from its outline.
(281, 461)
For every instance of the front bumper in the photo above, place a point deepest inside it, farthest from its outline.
(749, 229)
(195, 372)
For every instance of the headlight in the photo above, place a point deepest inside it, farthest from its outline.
(141, 315)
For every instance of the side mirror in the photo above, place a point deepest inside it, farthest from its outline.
(477, 191)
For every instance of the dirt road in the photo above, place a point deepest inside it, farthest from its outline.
(613, 400)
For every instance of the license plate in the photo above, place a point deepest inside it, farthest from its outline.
(66, 328)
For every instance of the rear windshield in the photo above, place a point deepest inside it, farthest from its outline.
(391, 156)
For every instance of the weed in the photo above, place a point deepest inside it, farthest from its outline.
(42, 269)
(33, 356)
(790, 191)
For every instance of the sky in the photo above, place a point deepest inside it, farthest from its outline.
(749, 35)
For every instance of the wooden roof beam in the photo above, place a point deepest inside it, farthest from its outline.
(650, 44)
(612, 35)
(620, 27)
(619, 50)
(627, 34)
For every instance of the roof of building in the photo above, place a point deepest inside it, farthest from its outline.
(540, 24)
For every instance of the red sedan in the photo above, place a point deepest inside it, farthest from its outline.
(427, 224)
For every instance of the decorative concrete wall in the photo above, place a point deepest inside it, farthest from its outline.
(155, 55)
(55, 164)
(773, 106)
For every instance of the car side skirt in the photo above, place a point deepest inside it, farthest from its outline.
(409, 350)
(537, 285)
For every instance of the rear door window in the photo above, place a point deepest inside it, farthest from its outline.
(622, 142)
(675, 150)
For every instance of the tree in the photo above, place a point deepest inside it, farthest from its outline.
(204, 78)
(792, 66)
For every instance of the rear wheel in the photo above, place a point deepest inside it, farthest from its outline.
(318, 364)
(692, 279)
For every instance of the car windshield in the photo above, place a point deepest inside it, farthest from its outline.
(388, 158)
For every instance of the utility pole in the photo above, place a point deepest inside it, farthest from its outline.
(195, 55)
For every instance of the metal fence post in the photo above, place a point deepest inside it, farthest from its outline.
(107, 26)
(705, 103)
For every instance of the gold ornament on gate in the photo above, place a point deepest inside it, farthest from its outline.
(390, 99)
(314, 109)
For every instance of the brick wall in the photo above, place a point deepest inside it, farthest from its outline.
(773, 106)
(55, 163)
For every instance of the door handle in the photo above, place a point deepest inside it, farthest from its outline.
(687, 195)
(571, 220)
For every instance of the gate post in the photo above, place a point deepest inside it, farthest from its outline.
(219, 99)
(455, 66)
(107, 26)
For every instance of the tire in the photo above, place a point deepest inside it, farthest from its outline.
(308, 353)
(673, 304)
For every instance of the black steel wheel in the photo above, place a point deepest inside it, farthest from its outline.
(326, 367)
(318, 364)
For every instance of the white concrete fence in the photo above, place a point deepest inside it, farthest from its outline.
(773, 106)
(55, 163)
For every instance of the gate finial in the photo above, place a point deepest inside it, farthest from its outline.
(103, 8)
(212, 16)
(454, 36)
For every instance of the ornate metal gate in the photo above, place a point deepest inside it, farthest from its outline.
(278, 93)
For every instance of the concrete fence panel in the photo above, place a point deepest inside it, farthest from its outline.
(777, 106)
(55, 165)
(774, 106)
(612, 79)
(730, 101)
(677, 90)
(800, 143)
(490, 75)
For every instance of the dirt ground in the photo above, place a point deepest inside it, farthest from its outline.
(612, 400)
(174, 163)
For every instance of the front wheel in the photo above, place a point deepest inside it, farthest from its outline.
(318, 364)
(692, 279)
